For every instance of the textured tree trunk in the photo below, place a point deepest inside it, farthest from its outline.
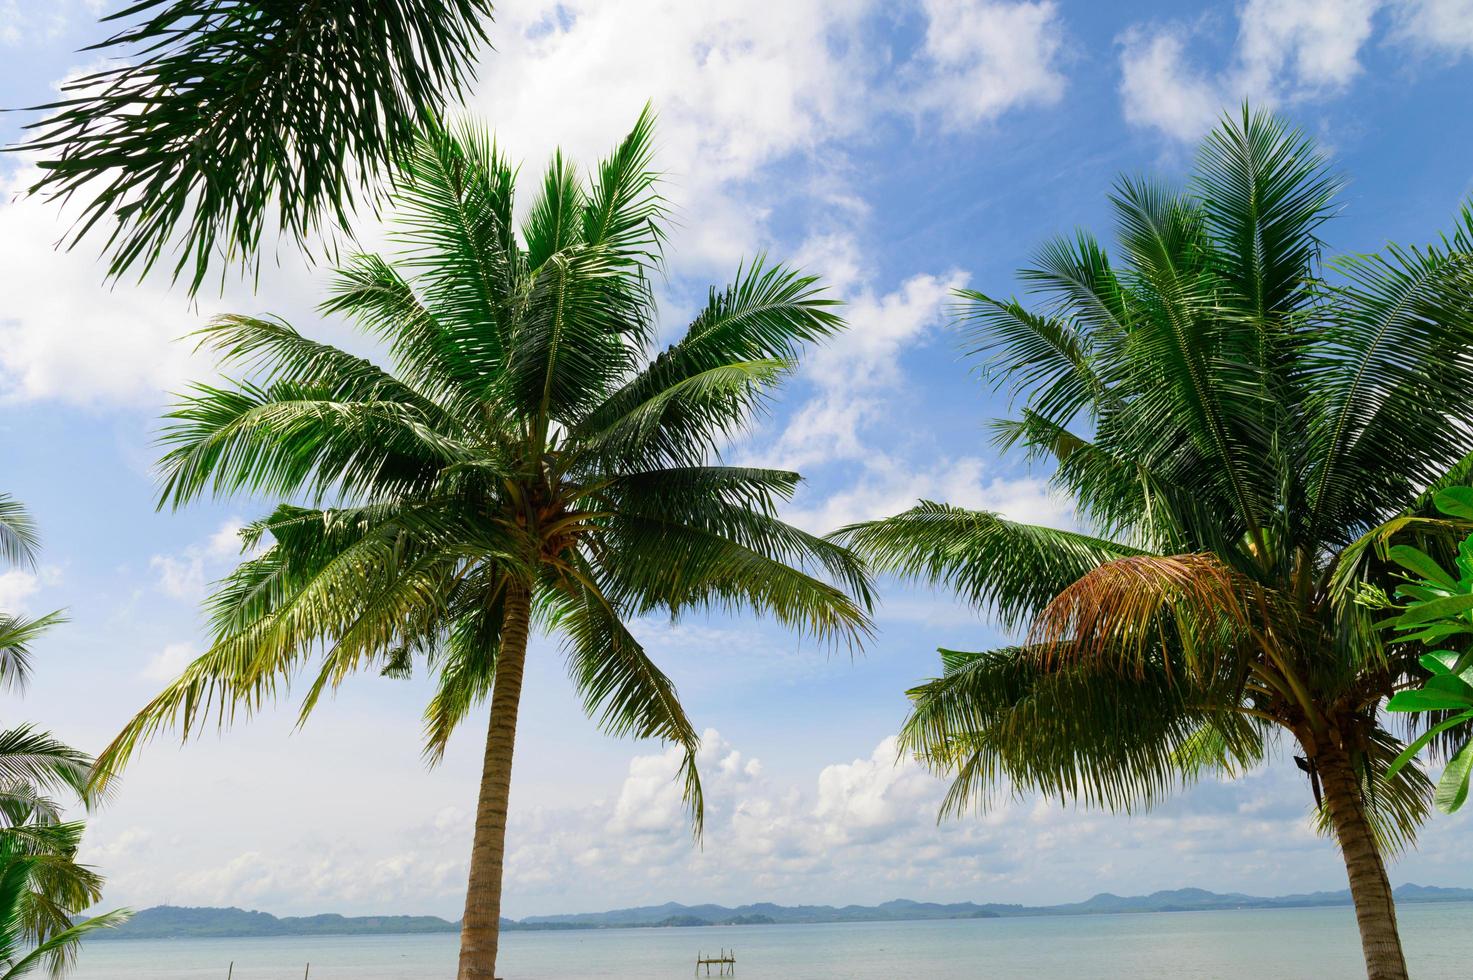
(1370, 890)
(481, 928)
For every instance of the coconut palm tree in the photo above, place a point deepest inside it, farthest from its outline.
(33, 763)
(525, 466)
(41, 884)
(41, 887)
(215, 118)
(1243, 427)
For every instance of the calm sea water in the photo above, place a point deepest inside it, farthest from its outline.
(1289, 944)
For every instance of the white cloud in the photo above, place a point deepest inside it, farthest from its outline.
(17, 586)
(183, 575)
(988, 57)
(64, 334)
(169, 662)
(1286, 51)
(1304, 46)
(180, 577)
(889, 485)
(1442, 26)
(1158, 88)
(742, 85)
(31, 24)
(854, 373)
(225, 542)
(740, 88)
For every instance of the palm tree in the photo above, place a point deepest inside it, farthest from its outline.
(32, 763)
(218, 116)
(41, 888)
(525, 466)
(1244, 426)
(41, 884)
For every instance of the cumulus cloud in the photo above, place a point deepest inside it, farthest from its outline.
(860, 829)
(987, 57)
(853, 375)
(1441, 26)
(183, 575)
(888, 485)
(741, 87)
(169, 662)
(17, 586)
(66, 335)
(1286, 51)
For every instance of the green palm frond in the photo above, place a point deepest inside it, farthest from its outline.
(292, 438)
(624, 689)
(19, 539)
(1107, 738)
(16, 635)
(1388, 384)
(38, 760)
(215, 115)
(1014, 569)
(708, 385)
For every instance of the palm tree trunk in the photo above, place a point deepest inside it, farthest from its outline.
(1370, 890)
(481, 928)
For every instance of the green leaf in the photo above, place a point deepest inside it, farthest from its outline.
(1424, 612)
(1452, 788)
(1438, 661)
(1418, 561)
(1423, 593)
(1449, 684)
(1433, 634)
(1428, 700)
(1411, 750)
(1455, 502)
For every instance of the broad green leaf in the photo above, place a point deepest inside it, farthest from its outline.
(1434, 634)
(1450, 684)
(1452, 789)
(1425, 612)
(1424, 591)
(1455, 502)
(1438, 661)
(1418, 561)
(1428, 700)
(1465, 564)
(1422, 740)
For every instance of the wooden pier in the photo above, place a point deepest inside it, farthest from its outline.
(725, 963)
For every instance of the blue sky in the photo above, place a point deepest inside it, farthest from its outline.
(898, 149)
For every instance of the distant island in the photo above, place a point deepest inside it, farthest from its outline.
(172, 922)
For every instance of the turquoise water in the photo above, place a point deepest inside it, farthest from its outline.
(1289, 944)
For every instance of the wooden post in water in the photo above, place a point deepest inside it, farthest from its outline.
(232, 970)
(307, 972)
(725, 963)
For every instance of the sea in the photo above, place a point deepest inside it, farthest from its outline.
(1291, 944)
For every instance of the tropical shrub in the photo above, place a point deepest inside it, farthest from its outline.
(1439, 612)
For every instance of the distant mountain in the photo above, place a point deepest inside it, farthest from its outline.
(170, 922)
(1177, 900)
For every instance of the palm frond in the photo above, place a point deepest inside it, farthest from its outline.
(624, 689)
(218, 115)
(1012, 568)
(19, 539)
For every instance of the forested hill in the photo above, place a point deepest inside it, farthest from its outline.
(170, 922)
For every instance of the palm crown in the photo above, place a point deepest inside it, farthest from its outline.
(525, 463)
(1246, 426)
